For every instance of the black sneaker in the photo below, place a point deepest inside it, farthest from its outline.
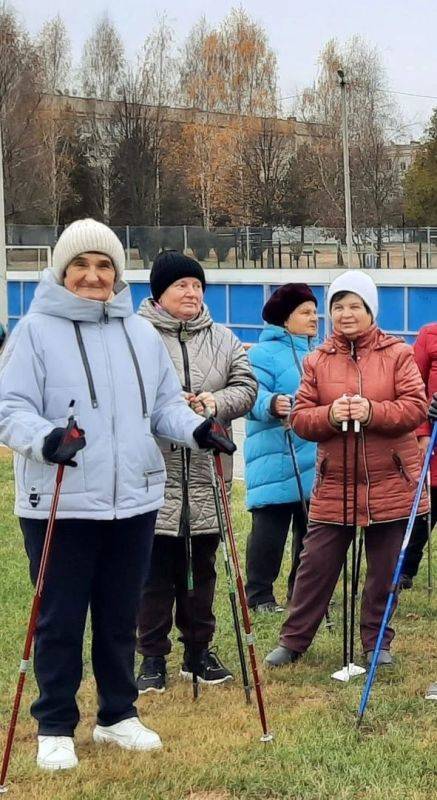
(405, 582)
(152, 675)
(210, 668)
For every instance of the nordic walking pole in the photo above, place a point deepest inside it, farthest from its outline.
(185, 521)
(358, 564)
(353, 668)
(348, 670)
(266, 737)
(230, 581)
(72, 432)
(429, 531)
(396, 578)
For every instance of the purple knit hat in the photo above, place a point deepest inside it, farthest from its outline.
(285, 300)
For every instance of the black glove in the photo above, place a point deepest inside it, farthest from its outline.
(432, 411)
(62, 444)
(210, 435)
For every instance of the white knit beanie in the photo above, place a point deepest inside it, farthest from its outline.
(359, 283)
(87, 236)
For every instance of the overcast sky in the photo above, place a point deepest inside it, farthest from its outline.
(403, 30)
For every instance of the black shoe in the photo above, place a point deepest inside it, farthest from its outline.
(405, 582)
(209, 668)
(152, 675)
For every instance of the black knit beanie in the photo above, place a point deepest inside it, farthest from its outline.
(171, 266)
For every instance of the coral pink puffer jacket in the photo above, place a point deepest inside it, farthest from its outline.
(382, 368)
(425, 353)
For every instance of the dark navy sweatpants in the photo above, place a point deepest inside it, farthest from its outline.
(100, 565)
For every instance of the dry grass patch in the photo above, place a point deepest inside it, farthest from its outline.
(211, 748)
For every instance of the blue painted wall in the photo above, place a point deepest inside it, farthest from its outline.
(403, 310)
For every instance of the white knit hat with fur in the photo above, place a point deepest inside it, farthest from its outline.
(356, 281)
(87, 236)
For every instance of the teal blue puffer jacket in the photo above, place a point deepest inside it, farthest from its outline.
(270, 477)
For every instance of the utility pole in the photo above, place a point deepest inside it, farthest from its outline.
(347, 183)
(3, 278)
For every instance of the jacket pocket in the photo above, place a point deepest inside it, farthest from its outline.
(40, 478)
(403, 471)
(154, 467)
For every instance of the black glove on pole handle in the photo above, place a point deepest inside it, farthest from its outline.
(71, 432)
(210, 435)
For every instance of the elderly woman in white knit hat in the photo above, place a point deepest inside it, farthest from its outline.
(359, 373)
(81, 341)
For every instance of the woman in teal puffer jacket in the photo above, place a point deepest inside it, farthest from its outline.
(272, 489)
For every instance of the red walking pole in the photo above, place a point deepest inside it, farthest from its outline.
(72, 433)
(266, 737)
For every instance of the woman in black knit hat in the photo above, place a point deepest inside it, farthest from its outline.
(272, 488)
(214, 372)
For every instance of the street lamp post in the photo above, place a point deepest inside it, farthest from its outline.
(347, 184)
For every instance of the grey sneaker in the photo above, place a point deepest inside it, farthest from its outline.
(268, 608)
(431, 692)
(385, 658)
(281, 656)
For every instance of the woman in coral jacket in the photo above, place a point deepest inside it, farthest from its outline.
(359, 373)
(425, 353)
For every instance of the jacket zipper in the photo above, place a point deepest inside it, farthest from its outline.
(113, 406)
(86, 365)
(185, 510)
(137, 370)
(363, 441)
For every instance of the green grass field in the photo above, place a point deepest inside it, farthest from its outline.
(212, 749)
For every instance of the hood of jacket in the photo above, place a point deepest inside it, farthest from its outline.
(164, 321)
(57, 301)
(276, 333)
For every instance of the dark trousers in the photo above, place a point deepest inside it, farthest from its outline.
(322, 559)
(101, 565)
(419, 538)
(167, 585)
(265, 549)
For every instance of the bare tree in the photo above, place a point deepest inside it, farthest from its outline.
(57, 160)
(158, 75)
(19, 101)
(55, 55)
(134, 161)
(373, 118)
(272, 181)
(102, 61)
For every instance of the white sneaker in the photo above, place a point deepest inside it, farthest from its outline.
(56, 752)
(129, 733)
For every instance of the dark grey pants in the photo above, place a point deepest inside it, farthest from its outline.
(265, 549)
(167, 587)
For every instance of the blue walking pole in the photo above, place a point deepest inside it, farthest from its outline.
(396, 577)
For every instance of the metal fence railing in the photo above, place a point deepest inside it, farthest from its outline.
(29, 247)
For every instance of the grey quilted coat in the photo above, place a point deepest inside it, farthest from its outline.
(208, 357)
